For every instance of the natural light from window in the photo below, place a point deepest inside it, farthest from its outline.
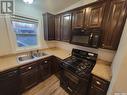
(26, 33)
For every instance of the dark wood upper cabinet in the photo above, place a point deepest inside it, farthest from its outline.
(58, 27)
(66, 27)
(95, 15)
(78, 18)
(49, 26)
(89, 17)
(117, 13)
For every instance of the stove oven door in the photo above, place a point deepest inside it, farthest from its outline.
(74, 85)
(70, 83)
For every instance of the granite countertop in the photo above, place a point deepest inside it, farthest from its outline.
(8, 62)
(58, 52)
(101, 69)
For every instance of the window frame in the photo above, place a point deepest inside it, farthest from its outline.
(27, 48)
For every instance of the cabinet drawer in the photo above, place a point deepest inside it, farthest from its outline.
(100, 83)
(29, 67)
(45, 61)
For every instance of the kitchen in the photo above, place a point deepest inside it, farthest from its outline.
(61, 47)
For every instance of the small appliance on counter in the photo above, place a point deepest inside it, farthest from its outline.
(76, 72)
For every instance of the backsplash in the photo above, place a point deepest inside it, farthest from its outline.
(103, 54)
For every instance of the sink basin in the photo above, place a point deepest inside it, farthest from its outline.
(40, 54)
(34, 56)
(30, 57)
(25, 58)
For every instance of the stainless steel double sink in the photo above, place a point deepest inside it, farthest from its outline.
(31, 57)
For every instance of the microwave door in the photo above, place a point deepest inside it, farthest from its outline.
(80, 40)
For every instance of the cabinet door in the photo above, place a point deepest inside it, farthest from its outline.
(49, 26)
(115, 23)
(9, 83)
(29, 78)
(96, 91)
(96, 15)
(66, 27)
(45, 70)
(78, 18)
(58, 27)
(55, 65)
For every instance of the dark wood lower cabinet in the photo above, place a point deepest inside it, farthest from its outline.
(9, 83)
(16, 81)
(44, 69)
(55, 65)
(29, 76)
(96, 91)
(98, 86)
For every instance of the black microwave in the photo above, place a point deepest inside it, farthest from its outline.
(86, 37)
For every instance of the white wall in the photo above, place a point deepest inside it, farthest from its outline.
(33, 11)
(103, 54)
(119, 67)
(28, 10)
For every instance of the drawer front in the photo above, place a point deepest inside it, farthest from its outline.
(100, 83)
(44, 61)
(27, 68)
(96, 91)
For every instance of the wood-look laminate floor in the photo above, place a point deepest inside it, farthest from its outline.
(51, 86)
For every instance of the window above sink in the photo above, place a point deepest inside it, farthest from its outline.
(25, 33)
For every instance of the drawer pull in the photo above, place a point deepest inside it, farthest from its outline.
(46, 62)
(69, 89)
(98, 82)
(29, 68)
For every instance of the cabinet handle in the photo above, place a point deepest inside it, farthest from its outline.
(29, 68)
(69, 89)
(98, 82)
(82, 30)
(45, 62)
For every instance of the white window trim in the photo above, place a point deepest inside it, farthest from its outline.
(13, 40)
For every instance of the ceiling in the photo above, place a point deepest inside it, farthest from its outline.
(54, 6)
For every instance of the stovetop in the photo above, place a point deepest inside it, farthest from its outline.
(80, 65)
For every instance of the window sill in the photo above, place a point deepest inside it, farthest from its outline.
(27, 49)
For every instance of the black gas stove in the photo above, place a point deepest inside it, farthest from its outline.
(75, 74)
(80, 62)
